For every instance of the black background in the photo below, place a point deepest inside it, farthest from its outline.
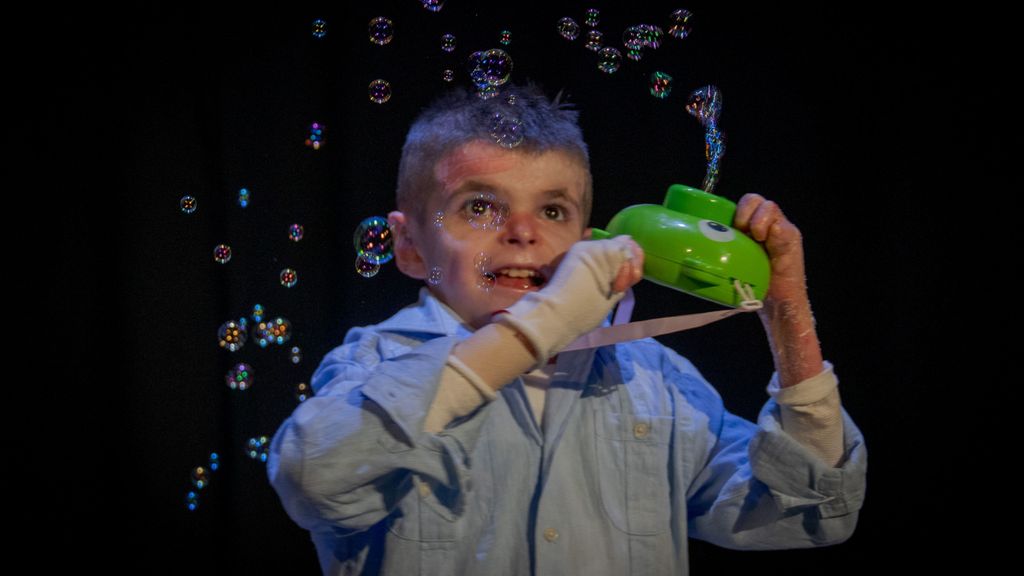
(844, 115)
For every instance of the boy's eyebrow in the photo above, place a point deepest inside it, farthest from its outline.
(476, 186)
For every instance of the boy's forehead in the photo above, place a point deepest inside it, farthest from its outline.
(479, 159)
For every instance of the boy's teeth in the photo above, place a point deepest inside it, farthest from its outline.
(518, 273)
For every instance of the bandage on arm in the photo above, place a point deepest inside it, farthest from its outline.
(810, 413)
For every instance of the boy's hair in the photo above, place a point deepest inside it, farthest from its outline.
(461, 116)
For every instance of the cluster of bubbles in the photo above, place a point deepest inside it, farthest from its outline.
(374, 245)
(296, 355)
(303, 391)
(316, 136)
(382, 30)
(244, 197)
(489, 70)
(380, 91)
(319, 28)
(232, 335)
(200, 478)
(258, 448)
(188, 204)
(505, 37)
(222, 254)
(276, 331)
(239, 377)
(706, 105)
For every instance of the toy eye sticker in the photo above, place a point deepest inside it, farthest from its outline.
(718, 232)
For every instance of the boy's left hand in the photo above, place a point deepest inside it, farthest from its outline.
(787, 313)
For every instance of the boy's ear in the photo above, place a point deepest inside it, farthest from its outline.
(407, 256)
(588, 233)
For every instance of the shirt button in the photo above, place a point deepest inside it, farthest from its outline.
(551, 534)
(424, 490)
(641, 430)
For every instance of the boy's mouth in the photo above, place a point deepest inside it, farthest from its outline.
(520, 278)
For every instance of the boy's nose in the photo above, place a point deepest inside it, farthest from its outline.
(519, 229)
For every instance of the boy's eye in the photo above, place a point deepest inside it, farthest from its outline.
(554, 212)
(479, 206)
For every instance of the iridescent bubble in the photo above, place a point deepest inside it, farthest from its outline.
(244, 197)
(214, 461)
(486, 91)
(486, 281)
(295, 232)
(439, 219)
(507, 131)
(608, 60)
(595, 40)
(303, 391)
(231, 336)
(593, 17)
(482, 262)
(485, 212)
(191, 501)
(634, 54)
(258, 448)
(222, 254)
(316, 136)
(380, 91)
(289, 278)
(651, 36)
(680, 24)
(491, 67)
(505, 37)
(200, 477)
(661, 85)
(568, 28)
(382, 30)
(276, 331)
(373, 240)
(448, 42)
(258, 313)
(188, 204)
(448, 75)
(365, 268)
(436, 276)
(511, 100)
(239, 377)
(705, 104)
(296, 355)
(714, 148)
(319, 28)
(433, 5)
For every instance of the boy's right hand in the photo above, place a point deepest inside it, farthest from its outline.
(590, 279)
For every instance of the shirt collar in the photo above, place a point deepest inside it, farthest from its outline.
(427, 316)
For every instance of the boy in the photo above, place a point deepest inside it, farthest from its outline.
(453, 438)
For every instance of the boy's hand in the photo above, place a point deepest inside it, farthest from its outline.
(590, 279)
(787, 313)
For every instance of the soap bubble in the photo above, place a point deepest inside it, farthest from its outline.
(439, 219)
(568, 28)
(681, 27)
(239, 377)
(258, 448)
(634, 54)
(491, 67)
(448, 42)
(487, 91)
(651, 36)
(595, 40)
(632, 38)
(380, 91)
(188, 204)
(222, 254)
(244, 197)
(296, 232)
(295, 355)
(382, 30)
(366, 268)
(319, 28)
(191, 501)
(214, 462)
(661, 85)
(482, 262)
(593, 17)
(705, 104)
(303, 391)
(258, 313)
(289, 278)
(486, 281)
(373, 240)
(448, 75)
(436, 276)
(608, 60)
(276, 331)
(511, 100)
(316, 136)
(231, 336)
(200, 477)
(506, 130)
(485, 212)
(433, 5)
(505, 37)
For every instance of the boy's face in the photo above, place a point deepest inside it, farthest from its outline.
(508, 217)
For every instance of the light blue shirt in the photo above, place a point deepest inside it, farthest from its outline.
(637, 455)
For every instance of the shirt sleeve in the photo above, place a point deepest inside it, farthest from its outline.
(755, 487)
(347, 455)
